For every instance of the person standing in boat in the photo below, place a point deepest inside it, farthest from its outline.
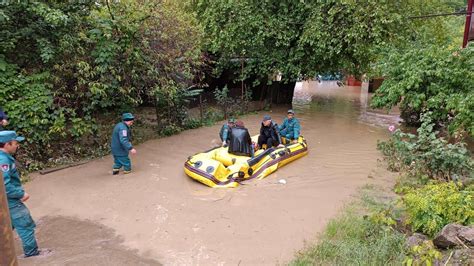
(269, 133)
(240, 142)
(224, 134)
(121, 145)
(290, 128)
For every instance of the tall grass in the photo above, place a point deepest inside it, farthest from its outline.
(353, 239)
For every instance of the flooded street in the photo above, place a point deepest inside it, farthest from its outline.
(159, 215)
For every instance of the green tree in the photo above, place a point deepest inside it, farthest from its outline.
(424, 69)
(297, 38)
(431, 80)
(62, 64)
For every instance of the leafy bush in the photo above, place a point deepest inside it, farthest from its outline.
(30, 104)
(224, 100)
(191, 123)
(435, 205)
(427, 156)
(63, 64)
(423, 254)
(212, 115)
(433, 79)
(170, 130)
(232, 106)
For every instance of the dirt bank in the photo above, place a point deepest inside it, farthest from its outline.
(167, 217)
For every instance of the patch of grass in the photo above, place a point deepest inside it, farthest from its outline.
(353, 238)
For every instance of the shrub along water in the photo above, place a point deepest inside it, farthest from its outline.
(435, 183)
(435, 205)
(433, 79)
(362, 234)
(427, 155)
(428, 161)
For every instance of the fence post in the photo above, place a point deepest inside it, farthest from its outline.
(467, 26)
(201, 111)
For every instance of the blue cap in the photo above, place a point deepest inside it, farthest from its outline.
(127, 117)
(291, 111)
(267, 117)
(9, 135)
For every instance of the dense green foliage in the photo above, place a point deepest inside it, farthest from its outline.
(428, 205)
(425, 71)
(427, 156)
(296, 38)
(432, 80)
(62, 64)
(433, 206)
(428, 77)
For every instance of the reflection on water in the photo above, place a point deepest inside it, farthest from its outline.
(345, 102)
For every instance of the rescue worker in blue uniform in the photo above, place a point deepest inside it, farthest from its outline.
(121, 145)
(290, 128)
(19, 213)
(224, 134)
(3, 119)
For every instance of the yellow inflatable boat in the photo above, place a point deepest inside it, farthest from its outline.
(218, 168)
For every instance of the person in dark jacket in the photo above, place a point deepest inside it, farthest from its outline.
(3, 119)
(121, 144)
(269, 133)
(224, 134)
(240, 142)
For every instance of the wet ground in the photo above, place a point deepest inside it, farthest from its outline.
(78, 242)
(159, 215)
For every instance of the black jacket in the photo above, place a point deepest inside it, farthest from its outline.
(240, 142)
(271, 132)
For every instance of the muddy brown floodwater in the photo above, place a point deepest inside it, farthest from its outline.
(159, 215)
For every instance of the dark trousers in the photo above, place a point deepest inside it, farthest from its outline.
(120, 161)
(25, 227)
(262, 139)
